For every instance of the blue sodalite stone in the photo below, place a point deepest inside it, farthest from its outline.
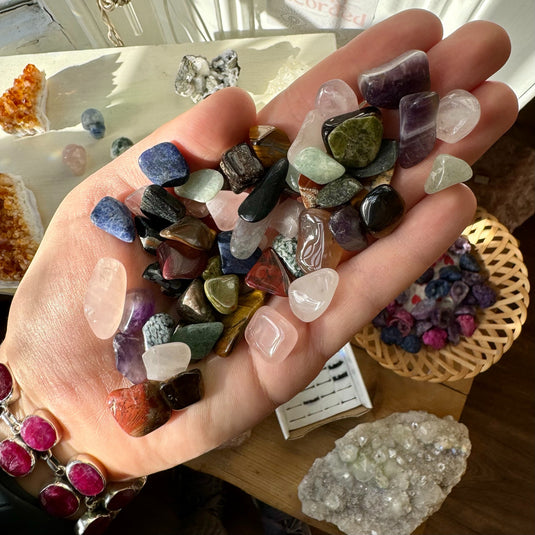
(450, 273)
(158, 329)
(93, 121)
(113, 217)
(164, 165)
(120, 145)
(229, 263)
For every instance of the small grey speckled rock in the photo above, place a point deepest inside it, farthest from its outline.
(387, 476)
(158, 330)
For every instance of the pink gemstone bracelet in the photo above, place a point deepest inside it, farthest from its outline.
(77, 489)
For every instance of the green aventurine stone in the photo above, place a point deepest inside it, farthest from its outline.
(222, 292)
(318, 166)
(200, 337)
(356, 142)
(447, 171)
(338, 192)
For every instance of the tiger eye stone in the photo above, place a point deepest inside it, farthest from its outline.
(381, 210)
(191, 231)
(241, 167)
(139, 409)
(269, 143)
(234, 324)
(316, 246)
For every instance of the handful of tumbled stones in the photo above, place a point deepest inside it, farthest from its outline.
(275, 218)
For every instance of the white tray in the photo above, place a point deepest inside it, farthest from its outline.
(337, 392)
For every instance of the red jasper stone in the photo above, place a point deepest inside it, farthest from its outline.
(57, 499)
(6, 382)
(139, 409)
(269, 274)
(15, 459)
(85, 478)
(38, 433)
(179, 261)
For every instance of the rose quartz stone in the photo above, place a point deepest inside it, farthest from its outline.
(336, 97)
(164, 361)
(270, 335)
(75, 158)
(224, 208)
(311, 294)
(285, 217)
(105, 297)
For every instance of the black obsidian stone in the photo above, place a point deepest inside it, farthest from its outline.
(381, 210)
(183, 389)
(241, 167)
(385, 160)
(162, 208)
(266, 193)
(330, 124)
(171, 287)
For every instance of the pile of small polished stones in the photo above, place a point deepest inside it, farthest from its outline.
(275, 218)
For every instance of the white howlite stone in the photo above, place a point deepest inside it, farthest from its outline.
(387, 477)
(336, 97)
(309, 135)
(164, 361)
(458, 114)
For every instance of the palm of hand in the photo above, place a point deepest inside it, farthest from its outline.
(59, 363)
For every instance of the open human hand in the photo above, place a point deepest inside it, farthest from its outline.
(60, 365)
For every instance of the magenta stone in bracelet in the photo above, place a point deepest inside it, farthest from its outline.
(6, 383)
(85, 477)
(93, 523)
(59, 500)
(120, 493)
(15, 458)
(39, 433)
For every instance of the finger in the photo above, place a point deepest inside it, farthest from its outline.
(412, 29)
(468, 56)
(499, 108)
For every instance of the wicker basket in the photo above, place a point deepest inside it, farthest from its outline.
(498, 326)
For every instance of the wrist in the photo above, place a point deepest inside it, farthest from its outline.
(29, 438)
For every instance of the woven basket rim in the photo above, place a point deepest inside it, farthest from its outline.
(498, 326)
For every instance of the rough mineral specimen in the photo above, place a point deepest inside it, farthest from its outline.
(197, 78)
(387, 476)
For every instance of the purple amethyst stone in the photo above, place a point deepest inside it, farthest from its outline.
(139, 306)
(129, 349)
(418, 126)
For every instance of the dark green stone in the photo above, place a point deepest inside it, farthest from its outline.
(356, 142)
(183, 389)
(338, 192)
(330, 124)
(200, 337)
(385, 160)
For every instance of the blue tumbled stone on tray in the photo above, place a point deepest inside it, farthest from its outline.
(229, 263)
(113, 217)
(93, 121)
(164, 165)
